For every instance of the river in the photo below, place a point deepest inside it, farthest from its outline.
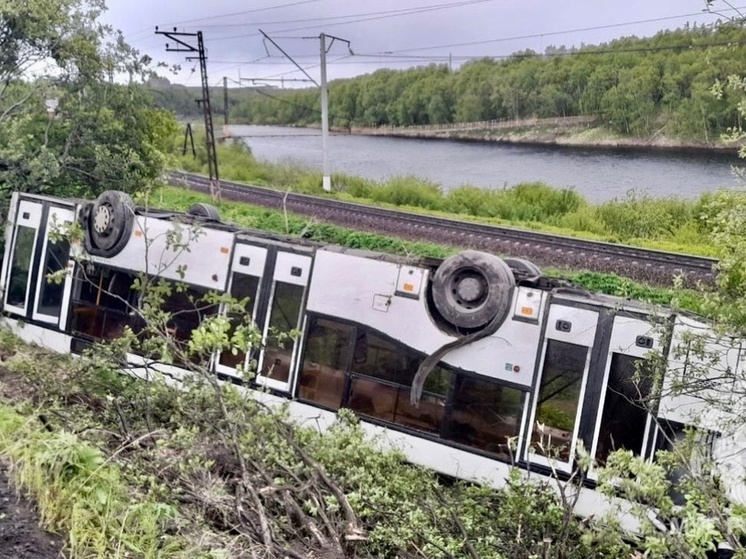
(598, 174)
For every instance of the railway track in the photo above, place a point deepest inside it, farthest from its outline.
(651, 266)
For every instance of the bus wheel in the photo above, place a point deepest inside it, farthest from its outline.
(109, 224)
(470, 289)
(207, 211)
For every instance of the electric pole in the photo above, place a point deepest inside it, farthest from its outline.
(326, 181)
(324, 49)
(225, 99)
(183, 46)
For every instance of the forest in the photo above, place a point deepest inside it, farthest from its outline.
(669, 83)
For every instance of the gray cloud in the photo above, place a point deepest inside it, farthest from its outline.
(381, 34)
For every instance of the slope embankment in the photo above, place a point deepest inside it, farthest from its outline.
(576, 131)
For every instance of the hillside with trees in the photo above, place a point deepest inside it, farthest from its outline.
(666, 84)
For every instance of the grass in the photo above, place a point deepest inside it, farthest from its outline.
(81, 493)
(254, 217)
(661, 223)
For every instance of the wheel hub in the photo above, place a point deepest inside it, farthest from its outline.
(102, 220)
(469, 289)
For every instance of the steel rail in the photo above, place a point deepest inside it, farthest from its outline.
(557, 250)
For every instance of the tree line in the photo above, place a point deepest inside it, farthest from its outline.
(636, 86)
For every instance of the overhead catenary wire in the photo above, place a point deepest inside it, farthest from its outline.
(401, 57)
(362, 19)
(327, 19)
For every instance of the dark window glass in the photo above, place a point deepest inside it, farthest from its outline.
(50, 298)
(390, 402)
(389, 368)
(327, 351)
(21, 266)
(187, 309)
(384, 359)
(485, 415)
(624, 417)
(102, 300)
(559, 398)
(284, 316)
(394, 362)
(243, 287)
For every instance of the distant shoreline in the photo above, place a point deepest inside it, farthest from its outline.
(571, 132)
(562, 133)
(631, 145)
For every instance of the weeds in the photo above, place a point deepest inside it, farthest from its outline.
(80, 493)
(123, 490)
(637, 218)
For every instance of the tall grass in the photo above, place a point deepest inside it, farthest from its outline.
(637, 218)
(79, 493)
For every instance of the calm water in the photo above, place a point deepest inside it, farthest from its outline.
(599, 175)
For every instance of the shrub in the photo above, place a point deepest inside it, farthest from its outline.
(640, 216)
(409, 191)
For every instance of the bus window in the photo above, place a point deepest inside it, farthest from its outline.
(242, 287)
(102, 301)
(51, 292)
(279, 352)
(624, 420)
(322, 376)
(559, 399)
(18, 281)
(382, 380)
(485, 415)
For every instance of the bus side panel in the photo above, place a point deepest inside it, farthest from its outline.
(511, 353)
(371, 293)
(363, 290)
(202, 259)
(700, 369)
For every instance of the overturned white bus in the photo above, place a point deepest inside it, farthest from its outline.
(464, 365)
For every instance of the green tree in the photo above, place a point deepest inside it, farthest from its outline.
(77, 130)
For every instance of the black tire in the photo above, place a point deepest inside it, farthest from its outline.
(207, 211)
(470, 289)
(109, 223)
(522, 267)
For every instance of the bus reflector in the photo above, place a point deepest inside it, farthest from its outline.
(409, 283)
(224, 250)
(527, 304)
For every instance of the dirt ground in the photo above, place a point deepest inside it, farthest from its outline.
(20, 534)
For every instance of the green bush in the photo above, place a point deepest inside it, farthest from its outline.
(409, 191)
(640, 216)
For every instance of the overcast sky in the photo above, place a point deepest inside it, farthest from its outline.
(383, 33)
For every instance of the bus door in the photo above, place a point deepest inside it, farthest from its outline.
(52, 300)
(623, 420)
(248, 266)
(569, 336)
(32, 257)
(278, 358)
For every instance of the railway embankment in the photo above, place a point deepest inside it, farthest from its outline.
(579, 131)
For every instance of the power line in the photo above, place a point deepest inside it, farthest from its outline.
(363, 19)
(400, 11)
(553, 33)
(285, 101)
(400, 59)
(244, 12)
(579, 52)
